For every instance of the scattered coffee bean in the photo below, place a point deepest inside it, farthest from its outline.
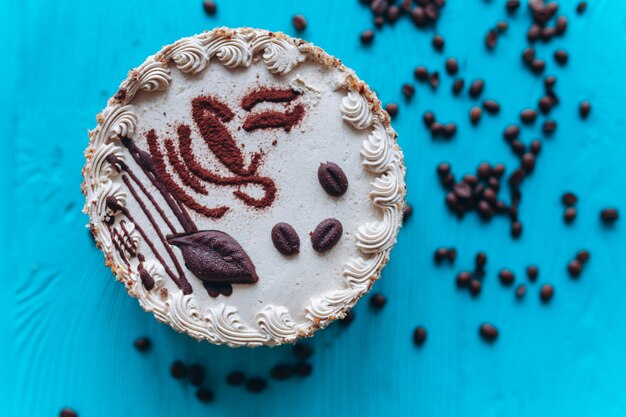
(256, 385)
(209, 7)
(303, 369)
(407, 212)
(421, 73)
(583, 255)
(462, 190)
(392, 109)
(584, 109)
(379, 7)
(511, 133)
(142, 344)
(348, 318)
(302, 351)
(452, 66)
(367, 36)
(532, 272)
(379, 21)
(512, 5)
(561, 25)
(502, 26)
(299, 22)
(561, 57)
(285, 239)
(516, 230)
(549, 82)
(475, 287)
(68, 412)
(506, 277)
(443, 169)
(476, 88)
(326, 235)
(491, 106)
(533, 33)
(569, 215)
(378, 301)
(484, 170)
(528, 161)
(574, 267)
(609, 215)
(535, 147)
(440, 255)
(545, 104)
(463, 279)
(196, 375)
(451, 255)
(520, 291)
(457, 86)
(449, 130)
(528, 116)
(419, 336)
(475, 114)
(433, 80)
(205, 395)
(281, 371)
(518, 148)
(528, 56)
(484, 210)
(581, 7)
(488, 332)
(235, 378)
(438, 42)
(547, 33)
(549, 126)
(491, 39)
(408, 91)
(569, 199)
(393, 13)
(480, 260)
(178, 370)
(517, 176)
(418, 16)
(546, 293)
(538, 66)
(332, 179)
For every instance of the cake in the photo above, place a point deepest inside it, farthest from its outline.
(245, 186)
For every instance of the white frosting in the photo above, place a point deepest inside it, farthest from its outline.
(293, 297)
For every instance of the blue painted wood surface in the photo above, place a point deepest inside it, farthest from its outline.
(67, 327)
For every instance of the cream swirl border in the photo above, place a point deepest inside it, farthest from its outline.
(380, 152)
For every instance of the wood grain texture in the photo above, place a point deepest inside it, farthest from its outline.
(67, 327)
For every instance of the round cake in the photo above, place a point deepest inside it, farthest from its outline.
(245, 186)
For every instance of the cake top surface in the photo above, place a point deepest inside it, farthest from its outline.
(245, 186)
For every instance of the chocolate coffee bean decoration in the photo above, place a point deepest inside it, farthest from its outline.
(332, 178)
(326, 235)
(285, 239)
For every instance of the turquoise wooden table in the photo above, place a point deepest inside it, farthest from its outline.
(67, 327)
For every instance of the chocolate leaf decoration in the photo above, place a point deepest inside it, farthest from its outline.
(215, 257)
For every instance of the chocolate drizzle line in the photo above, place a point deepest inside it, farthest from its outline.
(116, 244)
(268, 94)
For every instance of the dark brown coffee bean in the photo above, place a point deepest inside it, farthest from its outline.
(303, 369)
(421, 73)
(549, 127)
(528, 116)
(480, 260)
(475, 287)
(428, 118)
(433, 80)
(463, 279)
(452, 255)
(533, 33)
(393, 13)
(549, 82)
(196, 375)
(235, 378)
(406, 5)
(68, 412)
(462, 190)
(379, 7)
(499, 170)
(476, 88)
(367, 37)
(517, 177)
(209, 7)
(535, 147)
(545, 104)
(205, 395)
(502, 26)
(528, 56)
(475, 114)
(494, 184)
(408, 91)
(449, 130)
(538, 65)
(506, 277)
(326, 235)
(520, 291)
(518, 147)
(419, 336)
(513, 212)
(491, 106)
(569, 215)
(443, 169)
(299, 22)
(583, 255)
(448, 181)
(574, 268)
(569, 199)
(609, 215)
(348, 318)
(418, 16)
(584, 109)
(546, 293)
(256, 385)
(528, 161)
(491, 39)
(432, 12)
(581, 7)
(484, 210)
(512, 5)
(142, 344)
(547, 33)
(407, 212)
(490, 195)
(457, 86)
(436, 129)
(378, 301)
(440, 255)
(178, 370)
(561, 25)
(488, 332)
(484, 170)
(392, 109)
(452, 66)
(281, 371)
(516, 229)
(285, 239)
(511, 133)
(332, 179)
(532, 272)
(438, 42)
(379, 21)
(561, 57)
(302, 351)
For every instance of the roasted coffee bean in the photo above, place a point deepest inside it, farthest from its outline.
(428, 118)
(448, 181)
(281, 371)
(449, 130)
(68, 412)
(491, 106)
(545, 104)
(440, 255)
(480, 260)
(574, 267)
(584, 109)
(512, 5)
(569, 215)
(178, 370)
(484, 170)
(392, 109)
(433, 80)
(436, 129)
(379, 21)
(546, 293)
(432, 12)
(499, 170)
(407, 212)
(488, 332)
(569, 199)
(285, 239)
(581, 7)
(484, 210)
(494, 184)
(393, 13)
(438, 42)
(528, 56)
(535, 147)
(520, 291)
(326, 235)
(421, 73)
(418, 16)
(475, 287)
(490, 195)
(528, 161)
(406, 5)
(302, 351)
(549, 82)
(419, 336)
(561, 25)
(502, 26)
(549, 127)
(367, 37)
(506, 277)
(235, 378)
(196, 375)
(332, 179)
(491, 39)
(256, 385)
(209, 7)
(511, 133)
(583, 255)
(348, 318)
(475, 114)
(205, 395)
(609, 215)
(528, 116)
(452, 255)
(517, 177)
(547, 33)
(303, 369)
(408, 91)
(299, 22)
(378, 301)
(462, 190)
(533, 33)
(516, 229)
(463, 279)
(142, 344)
(532, 272)
(518, 147)
(452, 66)
(443, 169)
(561, 56)
(476, 88)
(379, 7)
(538, 65)
(457, 86)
